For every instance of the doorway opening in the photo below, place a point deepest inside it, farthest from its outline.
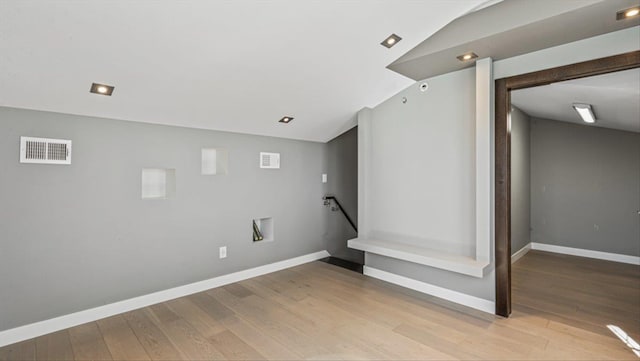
(503, 153)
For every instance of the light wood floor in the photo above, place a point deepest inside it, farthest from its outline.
(322, 312)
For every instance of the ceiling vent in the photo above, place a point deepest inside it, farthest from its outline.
(270, 160)
(45, 151)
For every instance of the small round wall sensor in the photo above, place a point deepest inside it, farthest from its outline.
(424, 86)
(404, 100)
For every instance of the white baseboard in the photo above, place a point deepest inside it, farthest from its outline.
(615, 257)
(440, 292)
(516, 256)
(30, 331)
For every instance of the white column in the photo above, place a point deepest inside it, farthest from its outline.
(364, 164)
(484, 105)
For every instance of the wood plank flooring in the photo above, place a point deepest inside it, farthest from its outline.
(318, 311)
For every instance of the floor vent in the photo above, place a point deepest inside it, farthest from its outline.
(45, 151)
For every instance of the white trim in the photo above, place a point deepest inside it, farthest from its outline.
(615, 257)
(420, 255)
(440, 292)
(524, 250)
(364, 170)
(77, 318)
(484, 121)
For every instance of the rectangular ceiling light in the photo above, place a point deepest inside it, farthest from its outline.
(628, 13)
(101, 89)
(585, 112)
(467, 56)
(390, 41)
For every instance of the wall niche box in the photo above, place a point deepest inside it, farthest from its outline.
(264, 228)
(158, 183)
(215, 161)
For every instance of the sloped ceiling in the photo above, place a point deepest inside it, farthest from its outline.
(226, 65)
(615, 98)
(511, 28)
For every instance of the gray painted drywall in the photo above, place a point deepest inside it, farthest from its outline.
(79, 236)
(423, 165)
(585, 187)
(342, 182)
(520, 180)
(617, 42)
(428, 143)
(421, 178)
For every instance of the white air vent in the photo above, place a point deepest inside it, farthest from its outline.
(45, 151)
(270, 160)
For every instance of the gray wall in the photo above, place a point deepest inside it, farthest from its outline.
(585, 187)
(79, 236)
(342, 182)
(422, 179)
(520, 180)
(428, 143)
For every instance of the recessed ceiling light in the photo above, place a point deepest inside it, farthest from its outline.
(101, 89)
(467, 56)
(628, 13)
(391, 40)
(285, 120)
(585, 112)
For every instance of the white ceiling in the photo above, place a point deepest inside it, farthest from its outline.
(615, 98)
(227, 65)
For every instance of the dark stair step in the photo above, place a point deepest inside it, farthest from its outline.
(352, 266)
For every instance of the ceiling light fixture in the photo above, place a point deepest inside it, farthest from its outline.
(628, 13)
(467, 56)
(585, 112)
(390, 41)
(285, 120)
(101, 89)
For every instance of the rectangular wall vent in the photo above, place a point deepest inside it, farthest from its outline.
(270, 160)
(45, 150)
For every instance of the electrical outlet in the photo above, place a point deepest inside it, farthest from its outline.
(324, 178)
(223, 252)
